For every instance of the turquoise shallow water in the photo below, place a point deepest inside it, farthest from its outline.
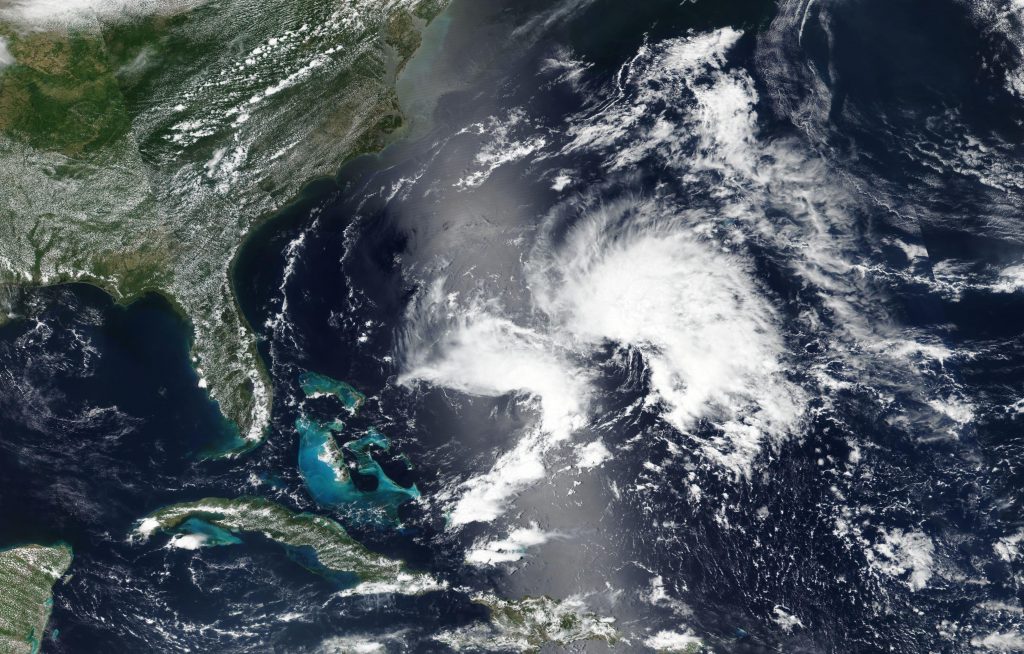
(329, 480)
(315, 384)
(328, 468)
(214, 535)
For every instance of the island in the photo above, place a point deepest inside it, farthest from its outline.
(323, 466)
(522, 625)
(526, 625)
(27, 576)
(315, 384)
(140, 145)
(332, 549)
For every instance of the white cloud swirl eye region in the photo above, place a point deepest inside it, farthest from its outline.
(709, 337)
(638, 273)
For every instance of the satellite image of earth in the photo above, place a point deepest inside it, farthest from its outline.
(359, 326)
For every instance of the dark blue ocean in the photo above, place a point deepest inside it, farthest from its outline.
(838, 183)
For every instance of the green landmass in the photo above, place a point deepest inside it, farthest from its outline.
(138, 150)
(27, 576)
(334, 549)
(524, 625)
(527, 625)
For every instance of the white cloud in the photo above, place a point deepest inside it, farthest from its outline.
(147, 527)
(786, 620)
(6, 58)
(1000, 642)
(404, 583)
(673, 282)
(510, 549)
(187, 541)
(561, 182)
(481, 354)
(501, 148)
(709, 337)
(643, 120)
(1005, 19)
(592, 455)
(363, 644)
(904, 553)
(485, 497)
(1011, 279)
(78, 12)
(1008, 548)
(673, 641)
(680, 104)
